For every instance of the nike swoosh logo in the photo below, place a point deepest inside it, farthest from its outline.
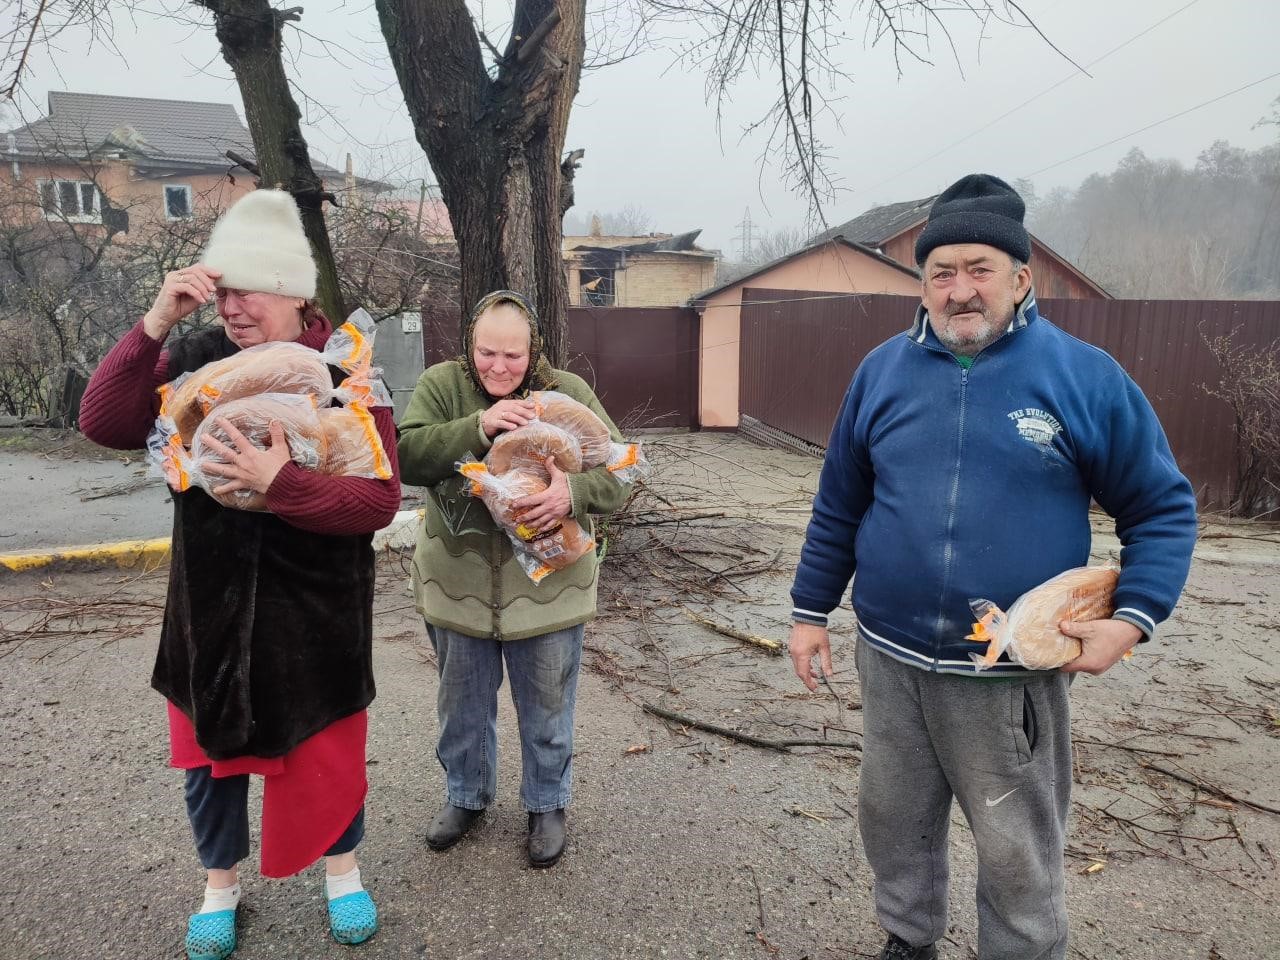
(992, 803)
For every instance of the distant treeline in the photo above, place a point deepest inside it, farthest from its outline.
(1156, 229)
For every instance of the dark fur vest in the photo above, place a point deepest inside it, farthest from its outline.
(268, 629)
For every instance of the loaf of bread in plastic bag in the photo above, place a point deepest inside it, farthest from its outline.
(266, 368)
(595, 446)
(337, 441)
(539, 554)
(529, 446)
(276, 367)
(1029, 631)
(579, 421)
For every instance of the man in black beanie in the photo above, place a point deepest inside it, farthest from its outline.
(961, 465)
(971, 223)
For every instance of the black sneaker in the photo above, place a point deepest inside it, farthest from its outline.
(898, 949)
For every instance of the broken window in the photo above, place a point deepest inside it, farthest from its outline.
(597, 287)
(71, 199)
(598, 269)
(177, 202)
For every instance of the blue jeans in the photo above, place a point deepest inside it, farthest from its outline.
(544, 685)
(218, 808)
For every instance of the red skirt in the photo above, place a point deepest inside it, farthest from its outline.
(310, 795)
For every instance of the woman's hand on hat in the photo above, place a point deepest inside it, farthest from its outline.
(245, 466)
(181, 293)
(507, 415)
(544, 510)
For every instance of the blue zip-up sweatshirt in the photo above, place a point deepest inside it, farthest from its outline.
(942, 484)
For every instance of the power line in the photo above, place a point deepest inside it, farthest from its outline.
(1149, 126)
(707, 305)
(1008, 113)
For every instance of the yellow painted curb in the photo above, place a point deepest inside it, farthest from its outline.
(399, 534)
(126, 553)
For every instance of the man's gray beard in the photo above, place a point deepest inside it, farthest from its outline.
(970, 346)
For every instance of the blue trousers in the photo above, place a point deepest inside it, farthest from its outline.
(218, 808)
(544, 684)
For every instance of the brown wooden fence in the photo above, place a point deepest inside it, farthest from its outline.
(642, 362)
(799, 350)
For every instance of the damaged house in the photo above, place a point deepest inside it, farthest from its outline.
(657, 270)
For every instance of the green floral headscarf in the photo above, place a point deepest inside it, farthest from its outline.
(539, 376)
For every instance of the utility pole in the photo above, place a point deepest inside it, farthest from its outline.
(746, 239)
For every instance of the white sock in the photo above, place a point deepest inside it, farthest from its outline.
(221, 898)
(343, 884)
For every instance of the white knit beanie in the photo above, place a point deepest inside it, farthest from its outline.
(259, 245)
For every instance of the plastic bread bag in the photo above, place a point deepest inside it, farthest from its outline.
(1029, 633)
(338, 441)
(352, 446)
(278, 367)
(183, 469)
(628, 463)
(528, 447)
(625, 461)
(539, 554)
(577, 419)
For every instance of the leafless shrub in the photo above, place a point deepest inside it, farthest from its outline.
(390, 256)
(72, 285)
(1250, 384)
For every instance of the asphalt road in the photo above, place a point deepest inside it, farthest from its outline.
(43, 505)
(683, 844)
(667, 844)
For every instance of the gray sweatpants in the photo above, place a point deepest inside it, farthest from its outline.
(1002, 748)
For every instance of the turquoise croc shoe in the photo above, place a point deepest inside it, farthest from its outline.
(353, 918)
(211, 936)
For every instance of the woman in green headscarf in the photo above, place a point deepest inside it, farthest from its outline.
(479, 605)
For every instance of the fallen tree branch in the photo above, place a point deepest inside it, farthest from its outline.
(119, 489)
(643, 520)
(742, 569)
(782, 746)
(1121, 746)
(847, 744)
(774, 647)
(1209, 787)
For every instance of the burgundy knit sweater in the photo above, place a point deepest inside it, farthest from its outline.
(120, 406)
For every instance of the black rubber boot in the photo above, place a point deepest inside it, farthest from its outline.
(451, 825)
(547, 836)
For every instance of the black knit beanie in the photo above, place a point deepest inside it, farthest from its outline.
(978, 208)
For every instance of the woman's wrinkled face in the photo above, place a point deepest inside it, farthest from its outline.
(501, 349)
(251, 318)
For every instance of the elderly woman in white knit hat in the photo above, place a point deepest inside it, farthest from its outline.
(266, 650)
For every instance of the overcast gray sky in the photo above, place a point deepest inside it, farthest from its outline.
(651, 137)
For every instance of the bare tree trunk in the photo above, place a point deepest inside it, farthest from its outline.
(495, 143)
(250, 33)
